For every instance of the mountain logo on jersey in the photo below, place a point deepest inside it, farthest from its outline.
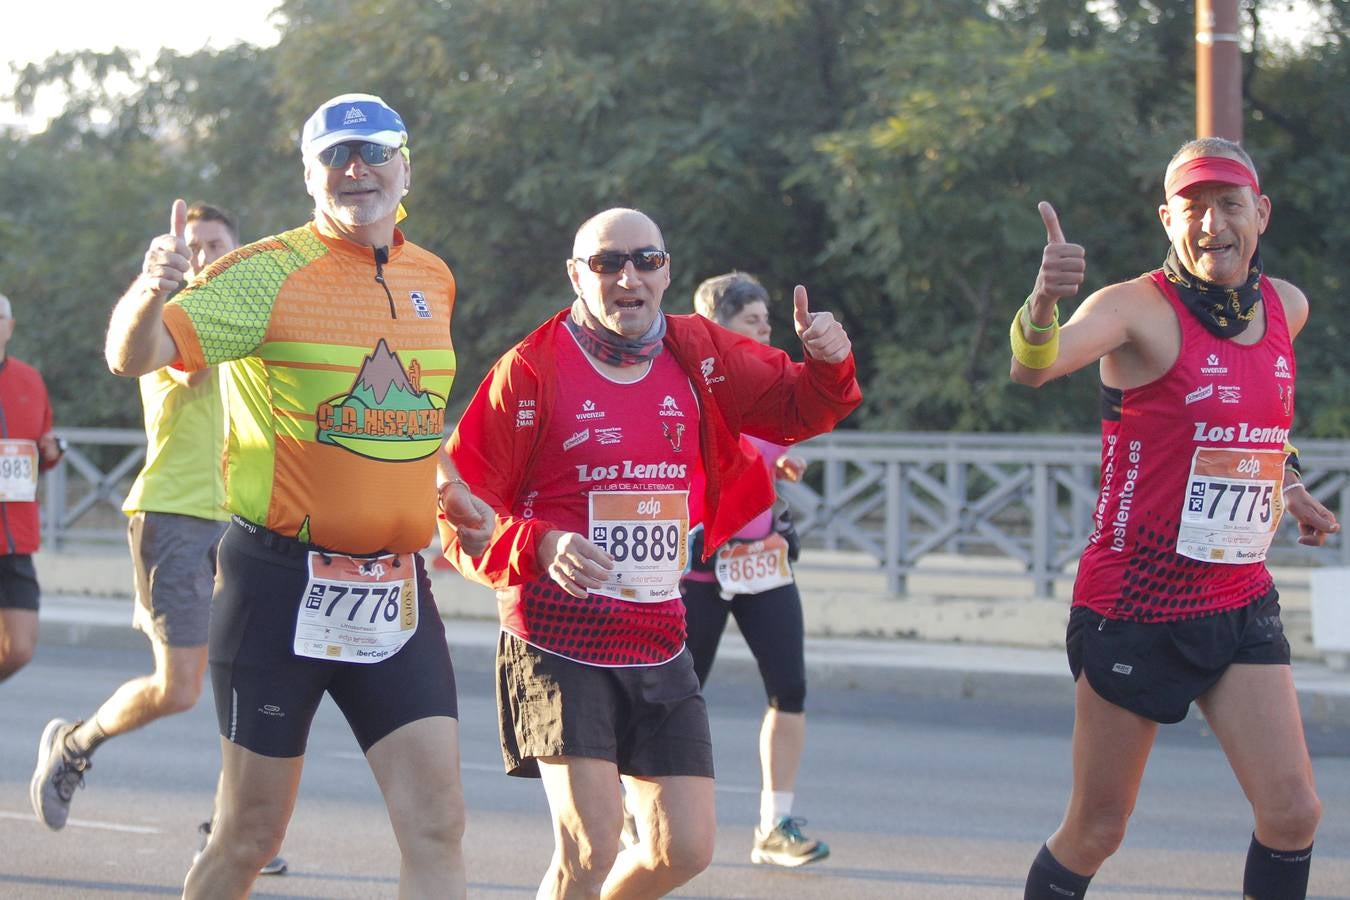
(385, 414)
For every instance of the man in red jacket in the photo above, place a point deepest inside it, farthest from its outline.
(587, 438)
(27, 446)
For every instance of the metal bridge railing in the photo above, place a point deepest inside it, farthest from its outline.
(898, 497)
(902, 496)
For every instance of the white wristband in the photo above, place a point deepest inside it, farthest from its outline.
(1295, 486)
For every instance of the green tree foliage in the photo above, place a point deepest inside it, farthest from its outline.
(1297, 132)
(888, 154)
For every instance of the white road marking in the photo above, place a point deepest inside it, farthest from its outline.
(86, 823)
(489, 767)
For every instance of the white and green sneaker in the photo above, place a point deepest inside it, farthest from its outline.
(785, 845)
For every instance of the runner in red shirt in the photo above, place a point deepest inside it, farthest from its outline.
(1173, 602)
(585, 438)
(27, 446)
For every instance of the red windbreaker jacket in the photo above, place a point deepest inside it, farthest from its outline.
(25, 413)
(742, 386)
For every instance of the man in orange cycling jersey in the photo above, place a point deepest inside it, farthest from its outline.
(336, 339)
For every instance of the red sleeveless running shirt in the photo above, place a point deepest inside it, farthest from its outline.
(628, 442)
(1192, 465)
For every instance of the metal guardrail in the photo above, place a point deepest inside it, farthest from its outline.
(902, 496)
(899, 497)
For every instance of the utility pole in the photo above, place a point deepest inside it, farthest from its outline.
(1218, 70)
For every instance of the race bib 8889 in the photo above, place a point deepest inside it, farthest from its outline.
(647, 535)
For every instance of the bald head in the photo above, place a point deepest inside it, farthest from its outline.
(6, 311)
(597, 226)
(627, 300)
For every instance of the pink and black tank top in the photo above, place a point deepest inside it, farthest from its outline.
(627, 442)
(1191, 470)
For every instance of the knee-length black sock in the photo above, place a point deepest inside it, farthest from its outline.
(1048, 880)
(1276, 874)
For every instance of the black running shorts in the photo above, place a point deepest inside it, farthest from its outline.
(266, 696)
(1156, 669)
(650, 721)
(18, 582)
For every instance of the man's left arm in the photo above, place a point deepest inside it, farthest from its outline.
(50, 447)
(1295, 305)
(1315, 521)
(786, 401)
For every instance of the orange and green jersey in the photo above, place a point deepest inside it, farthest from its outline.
(336, 387)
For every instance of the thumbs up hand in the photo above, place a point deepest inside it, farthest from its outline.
(1062, 264)
(823, 338)
(166, 263)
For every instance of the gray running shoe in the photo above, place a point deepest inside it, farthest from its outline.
(57, 774)
(275, 866)
(785, 845)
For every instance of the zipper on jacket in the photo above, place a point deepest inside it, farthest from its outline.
(382, 257)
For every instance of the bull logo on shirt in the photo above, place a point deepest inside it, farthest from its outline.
(674, 434)
(1286, 392)
(385, 414)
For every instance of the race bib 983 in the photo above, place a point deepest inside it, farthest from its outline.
(18, 470)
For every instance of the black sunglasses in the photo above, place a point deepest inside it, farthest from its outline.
(610, 262)
(336, 156)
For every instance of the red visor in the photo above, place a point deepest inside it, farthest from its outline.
(1221, 169)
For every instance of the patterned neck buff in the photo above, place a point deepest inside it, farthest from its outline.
(1225, 312)
(612, 348)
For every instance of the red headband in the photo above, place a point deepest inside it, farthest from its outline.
(1221, 169)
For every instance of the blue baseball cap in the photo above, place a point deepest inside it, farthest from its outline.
(352, 117)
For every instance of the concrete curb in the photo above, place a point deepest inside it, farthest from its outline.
(951, 671)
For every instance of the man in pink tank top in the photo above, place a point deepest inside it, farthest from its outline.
(1173, 602)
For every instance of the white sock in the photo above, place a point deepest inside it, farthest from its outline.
(773, 805)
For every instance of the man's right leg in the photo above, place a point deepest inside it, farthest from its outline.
(586, 806)
(65, 749)
(1110, 748)
(18, 638)
(256, 799)
(19, 595)
(172, 688)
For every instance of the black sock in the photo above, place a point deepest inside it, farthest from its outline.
(1048, 880)
(1276, 874)
(85, 737)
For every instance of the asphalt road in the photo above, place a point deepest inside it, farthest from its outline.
(918, 797)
